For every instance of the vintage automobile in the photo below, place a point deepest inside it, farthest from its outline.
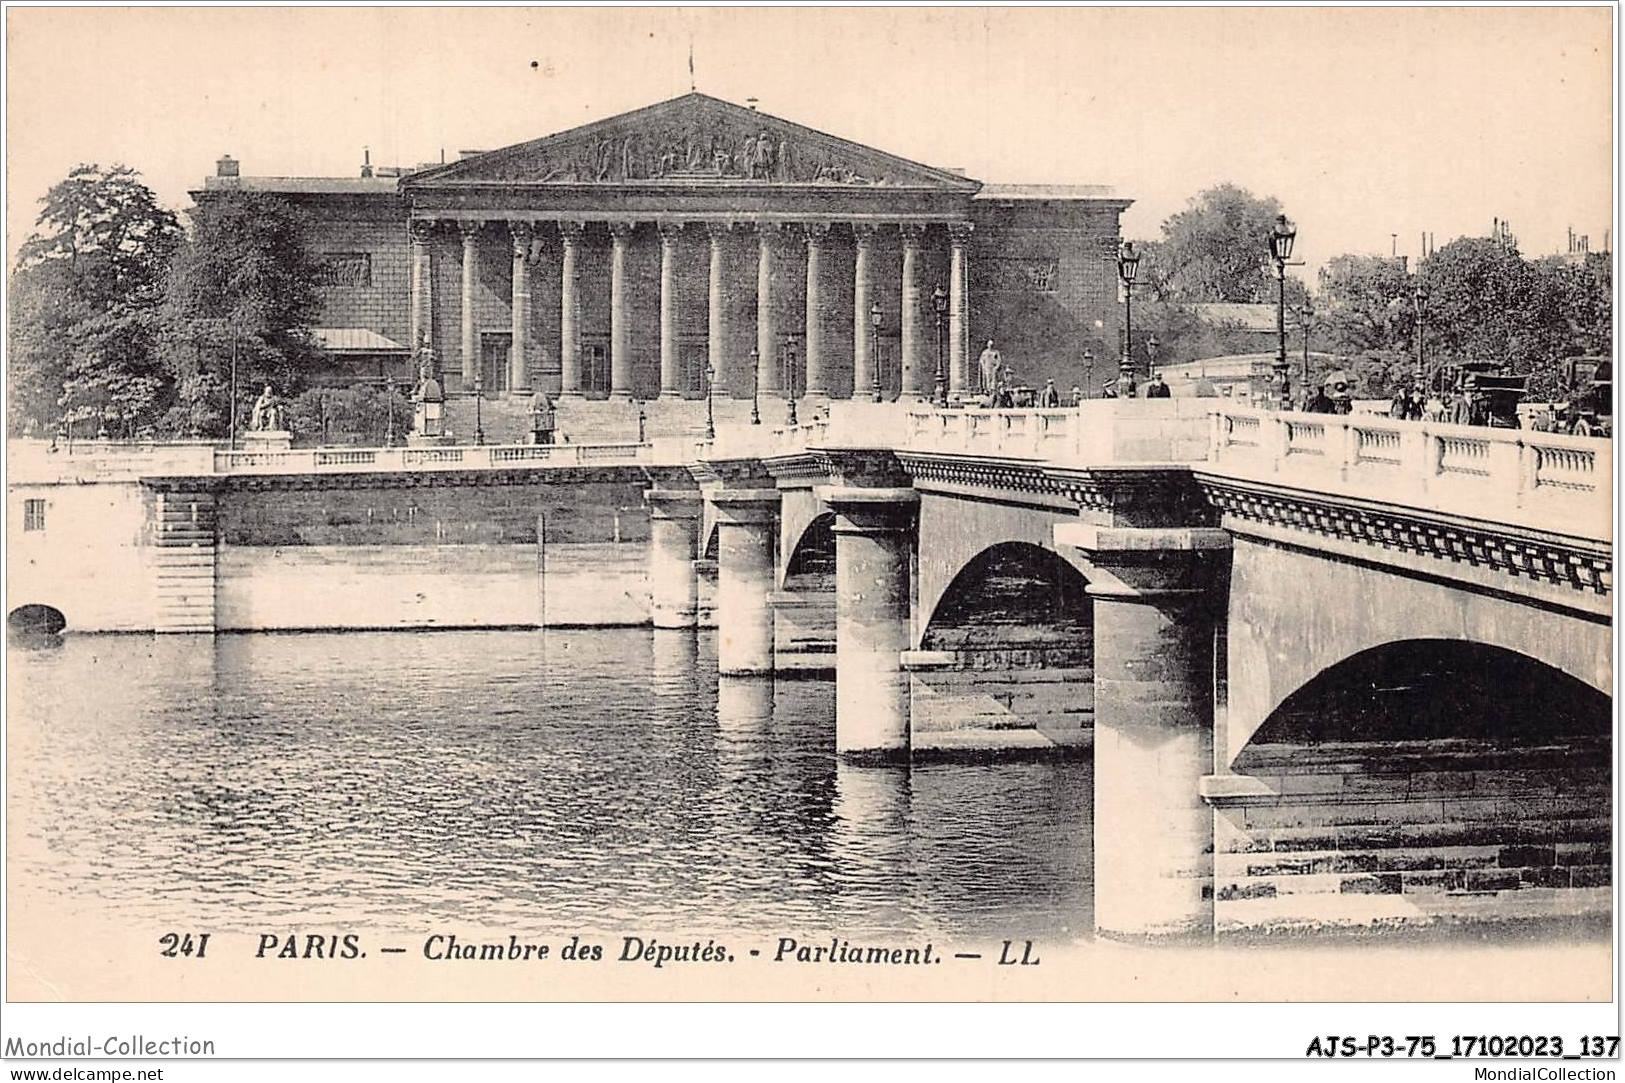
(1482, 393)
(1589, 410)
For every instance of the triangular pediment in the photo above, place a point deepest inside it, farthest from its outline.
(692, 140)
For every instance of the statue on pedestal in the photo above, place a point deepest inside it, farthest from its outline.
(267, 415)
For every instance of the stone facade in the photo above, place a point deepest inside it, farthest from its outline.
(681, 236)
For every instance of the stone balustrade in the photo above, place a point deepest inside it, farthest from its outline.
(1546, 481)
(1098, 432)
(399, 459)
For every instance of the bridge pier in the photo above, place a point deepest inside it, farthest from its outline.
(674, 532)
(1153, 739)
(746, 527)
(874, 542)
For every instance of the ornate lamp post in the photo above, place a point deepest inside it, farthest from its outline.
(874, 351)
(1128, 265)
(710, 417)
(788, 380)
(1281, 238)
(1308, 314)
(755, 384)
(1421, 326)
(1151, 345)
(479, 399)
(389, 404)
(1088, 373)
(233, 387)
(939, 304)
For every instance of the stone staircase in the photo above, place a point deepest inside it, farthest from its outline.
(505, 418)
(184, 561)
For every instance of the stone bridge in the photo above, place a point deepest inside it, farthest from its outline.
(1329, 669)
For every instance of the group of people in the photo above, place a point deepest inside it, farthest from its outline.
(1409, 404)
(999, 391)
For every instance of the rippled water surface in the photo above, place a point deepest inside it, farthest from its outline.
(601, 779)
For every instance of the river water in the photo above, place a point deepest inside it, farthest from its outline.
(596, 779)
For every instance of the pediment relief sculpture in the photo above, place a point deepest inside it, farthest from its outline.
(692, 139)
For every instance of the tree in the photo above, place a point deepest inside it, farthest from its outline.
(244, 282)
(1216, 249)
(84, 299)
(1366, 304)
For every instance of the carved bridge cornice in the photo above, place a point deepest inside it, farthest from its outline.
(1549, 559)
(1129, 496)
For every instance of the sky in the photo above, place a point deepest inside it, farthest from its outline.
(1365, 123)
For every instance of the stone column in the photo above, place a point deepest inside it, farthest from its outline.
(767, 332)
(916, 387)
(863, 363)
(1153, 629)
(519, 352)
(569, 335)
(674, 532)
(471, 270)
(874, 543)
(959, 382)
(670, 378)
(422, 287)
(817, 366)
(620, 354)
(745, 532)
(715, 345)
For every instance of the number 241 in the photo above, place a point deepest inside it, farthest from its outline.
(183, 945)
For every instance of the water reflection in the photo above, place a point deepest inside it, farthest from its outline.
(596, 779)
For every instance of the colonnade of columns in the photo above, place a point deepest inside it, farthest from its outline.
(1153, 619)
(774, 247)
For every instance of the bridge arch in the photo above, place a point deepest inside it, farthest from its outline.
(1008, 650)
(809, 562)
(1416, 690)
(1010, 594)
(1295, 615)
(36, 618)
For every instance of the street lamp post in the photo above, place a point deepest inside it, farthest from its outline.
(788, 380)
(1151, 345)
(1308, 314)
(710, 417)
(1088, 374)
(874, 351)
(234, 387)
(755, 385)
(1128, 265)
(939, 304)
(1421, 341)
(479, 416)
(1280, 239)
(389, 404)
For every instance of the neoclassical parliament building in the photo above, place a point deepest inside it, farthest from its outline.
(626, 259)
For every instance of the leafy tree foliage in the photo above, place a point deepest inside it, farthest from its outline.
(84, 297)
(1216, 249)
(353, 415)
(243, 284)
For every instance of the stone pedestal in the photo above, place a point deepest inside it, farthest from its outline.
(674, 529)
(745, 532)
(266, 440)
(1153, 666)
(874, 537)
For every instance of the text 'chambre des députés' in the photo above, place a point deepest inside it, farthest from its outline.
(647, 950)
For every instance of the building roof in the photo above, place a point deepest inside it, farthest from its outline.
(305, 185)
(354, 340)
(1259, 319)
(1046, 191)
(1235, 366)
